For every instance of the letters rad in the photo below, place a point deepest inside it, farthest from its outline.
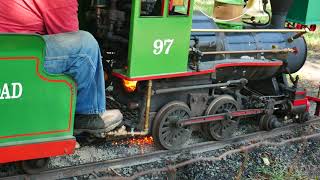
(11, 91)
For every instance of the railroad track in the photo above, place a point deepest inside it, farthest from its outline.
(91, 168)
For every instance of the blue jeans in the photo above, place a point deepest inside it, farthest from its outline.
(78, 54)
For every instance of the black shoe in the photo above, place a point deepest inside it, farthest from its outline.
(97, 124)
(88, 123)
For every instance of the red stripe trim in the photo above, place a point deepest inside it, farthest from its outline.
(300, 93)
(48, 80)
(250, 64)
(162, 7)
(189, 5)
(36, 151)
(239, 64)
(300, 102)
(314, 99)
(162, 76)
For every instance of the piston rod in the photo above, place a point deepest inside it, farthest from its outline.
(219, 117)
(286, 50)
(251, 30)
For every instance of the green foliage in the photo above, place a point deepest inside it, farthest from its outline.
(313, 40)
(278, 172)
(205, 5)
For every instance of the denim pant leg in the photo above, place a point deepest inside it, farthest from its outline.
(77, 54)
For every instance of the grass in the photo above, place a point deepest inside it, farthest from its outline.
(205, 5)
(313, 40)
(278, 172)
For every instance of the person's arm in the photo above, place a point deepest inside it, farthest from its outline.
(61, 19)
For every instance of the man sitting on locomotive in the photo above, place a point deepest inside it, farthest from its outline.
(69, 51)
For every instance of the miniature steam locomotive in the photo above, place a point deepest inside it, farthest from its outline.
(183, 71)
(178, 68)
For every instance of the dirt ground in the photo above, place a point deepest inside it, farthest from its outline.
(311, 69)
(310, 73)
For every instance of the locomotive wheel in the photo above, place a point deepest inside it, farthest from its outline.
(268, 122)
(35, 166)
(165, 131)
(221, 130)
(303, 117)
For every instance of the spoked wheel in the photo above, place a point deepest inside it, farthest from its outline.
(35, 166)
(165, 131)
(223, 129)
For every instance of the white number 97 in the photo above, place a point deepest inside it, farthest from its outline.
(159, 45)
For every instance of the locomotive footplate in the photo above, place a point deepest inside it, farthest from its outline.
(219, 117)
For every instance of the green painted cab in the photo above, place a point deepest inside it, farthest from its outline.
(34, 106)
(159, 43)
(305, 12)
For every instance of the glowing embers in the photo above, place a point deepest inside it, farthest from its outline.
(130, 86)
(148, 140)
(135, 141)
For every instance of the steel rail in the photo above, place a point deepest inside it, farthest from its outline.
(86, 169)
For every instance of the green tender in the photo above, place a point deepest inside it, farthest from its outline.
(42, 112)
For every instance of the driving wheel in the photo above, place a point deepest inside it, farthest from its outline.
(223, 129)
(165, 131)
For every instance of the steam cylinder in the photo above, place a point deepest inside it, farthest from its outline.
(247, 41)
